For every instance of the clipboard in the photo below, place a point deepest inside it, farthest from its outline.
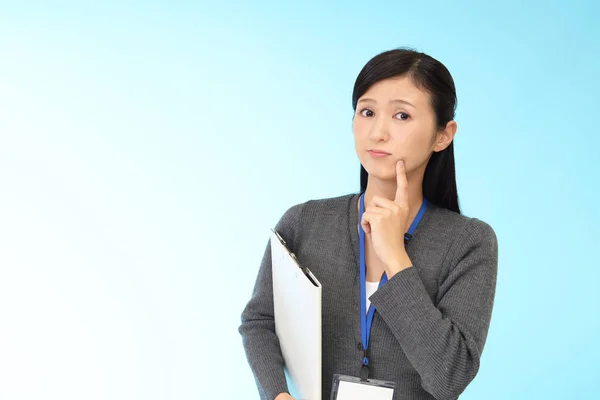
(352, 388)
(297, 314)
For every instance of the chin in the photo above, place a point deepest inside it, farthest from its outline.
(381, 172)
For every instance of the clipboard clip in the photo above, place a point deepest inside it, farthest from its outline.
(279, 237)
(304, 269)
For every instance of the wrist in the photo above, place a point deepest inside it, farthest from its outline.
(399, 262)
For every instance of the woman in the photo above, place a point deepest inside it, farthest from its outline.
(430, 272)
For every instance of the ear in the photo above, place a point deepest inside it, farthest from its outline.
(445, 137)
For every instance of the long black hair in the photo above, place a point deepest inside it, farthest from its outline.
(439, 182)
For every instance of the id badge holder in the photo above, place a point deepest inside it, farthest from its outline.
(352, 388)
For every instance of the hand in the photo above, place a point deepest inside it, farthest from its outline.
(385, 222)
(284, 396)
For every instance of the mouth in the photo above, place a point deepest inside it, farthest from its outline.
(378, 153)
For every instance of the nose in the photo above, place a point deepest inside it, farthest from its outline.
(379, 130)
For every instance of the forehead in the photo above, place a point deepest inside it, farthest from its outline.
(402, 88)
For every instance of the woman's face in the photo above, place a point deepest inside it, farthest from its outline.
(396, 117)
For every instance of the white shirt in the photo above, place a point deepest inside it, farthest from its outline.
(371, 288)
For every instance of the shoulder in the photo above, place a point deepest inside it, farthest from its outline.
(461, 224)
(326, 205)
(329, 206)
(299, 215)
(467, 236)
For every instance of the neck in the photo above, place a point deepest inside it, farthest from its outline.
(387, 189)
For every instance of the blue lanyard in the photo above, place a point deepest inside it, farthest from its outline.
(366, 319)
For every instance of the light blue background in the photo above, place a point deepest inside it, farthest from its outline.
(146, 149)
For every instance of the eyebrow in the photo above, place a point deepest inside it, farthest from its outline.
(391, 101)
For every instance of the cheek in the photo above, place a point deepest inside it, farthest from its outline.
(355, 127)
(357, 132)
(360, 126)
(413, 145)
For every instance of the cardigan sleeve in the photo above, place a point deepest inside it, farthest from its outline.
(444, 341)
(257, 328)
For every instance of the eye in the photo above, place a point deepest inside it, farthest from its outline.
(402, 116)
(365, 112)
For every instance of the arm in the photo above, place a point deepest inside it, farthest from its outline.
(444, 341)
(284, 396)
(258, 326)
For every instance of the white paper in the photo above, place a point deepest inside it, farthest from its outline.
(356, 391)
(297, 311)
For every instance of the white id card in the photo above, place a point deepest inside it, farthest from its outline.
(352, 388)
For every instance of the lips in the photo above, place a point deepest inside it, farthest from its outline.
(379, 152)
